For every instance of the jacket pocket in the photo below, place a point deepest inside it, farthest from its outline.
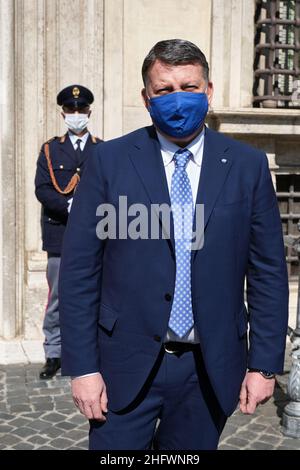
(107, 317)
(231, 207)
(231, 204)
(61, 167)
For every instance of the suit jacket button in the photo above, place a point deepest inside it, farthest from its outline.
(61, 167)
(157, 338)
(168, 297)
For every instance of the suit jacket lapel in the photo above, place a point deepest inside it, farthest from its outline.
(147, 160)
(216, 165)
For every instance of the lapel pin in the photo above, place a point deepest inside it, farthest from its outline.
(224, 160)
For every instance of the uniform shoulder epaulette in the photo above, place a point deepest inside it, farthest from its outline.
(47, 142)
(62, 138)
(50, 140)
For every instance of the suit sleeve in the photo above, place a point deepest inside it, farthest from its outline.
(45, 192)
(267, 281)
(80, 275)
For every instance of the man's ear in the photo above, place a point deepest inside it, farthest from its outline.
(210, 92)
(145, 98)
(63, 115)
(89, 113)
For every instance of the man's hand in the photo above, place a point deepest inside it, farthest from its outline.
(255, 390)
(89, 395)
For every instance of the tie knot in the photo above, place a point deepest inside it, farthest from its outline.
(78, 142)
(181, 158)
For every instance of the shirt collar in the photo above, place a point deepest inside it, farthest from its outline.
(169, 148)
(74, 137)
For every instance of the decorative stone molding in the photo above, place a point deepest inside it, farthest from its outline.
(277, 132)
(255, 121)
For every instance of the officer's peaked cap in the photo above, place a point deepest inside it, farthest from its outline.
(75, 96)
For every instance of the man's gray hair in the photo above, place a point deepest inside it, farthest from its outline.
(175, 52)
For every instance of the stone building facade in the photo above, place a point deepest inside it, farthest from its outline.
(48, 44)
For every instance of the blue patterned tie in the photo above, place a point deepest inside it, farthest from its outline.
(181, 319)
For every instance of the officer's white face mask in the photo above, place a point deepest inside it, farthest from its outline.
(76, 122)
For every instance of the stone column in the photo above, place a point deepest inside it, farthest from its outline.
(113, 68)
(232, 53)
(9, 324)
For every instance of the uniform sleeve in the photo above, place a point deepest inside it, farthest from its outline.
(267, 281)
(45, 192)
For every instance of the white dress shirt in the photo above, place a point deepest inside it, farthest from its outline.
(193, 170)
(74, 138)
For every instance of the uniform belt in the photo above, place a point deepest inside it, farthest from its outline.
(173, 347)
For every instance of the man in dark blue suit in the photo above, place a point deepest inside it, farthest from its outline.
(154, 328)
(59, 168)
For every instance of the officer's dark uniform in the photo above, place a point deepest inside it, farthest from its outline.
(59, 168)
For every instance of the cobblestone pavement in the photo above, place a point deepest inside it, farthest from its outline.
(36, 414)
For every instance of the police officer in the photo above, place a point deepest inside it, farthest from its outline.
(59, 168)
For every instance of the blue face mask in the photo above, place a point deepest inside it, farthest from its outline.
(179, 114)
